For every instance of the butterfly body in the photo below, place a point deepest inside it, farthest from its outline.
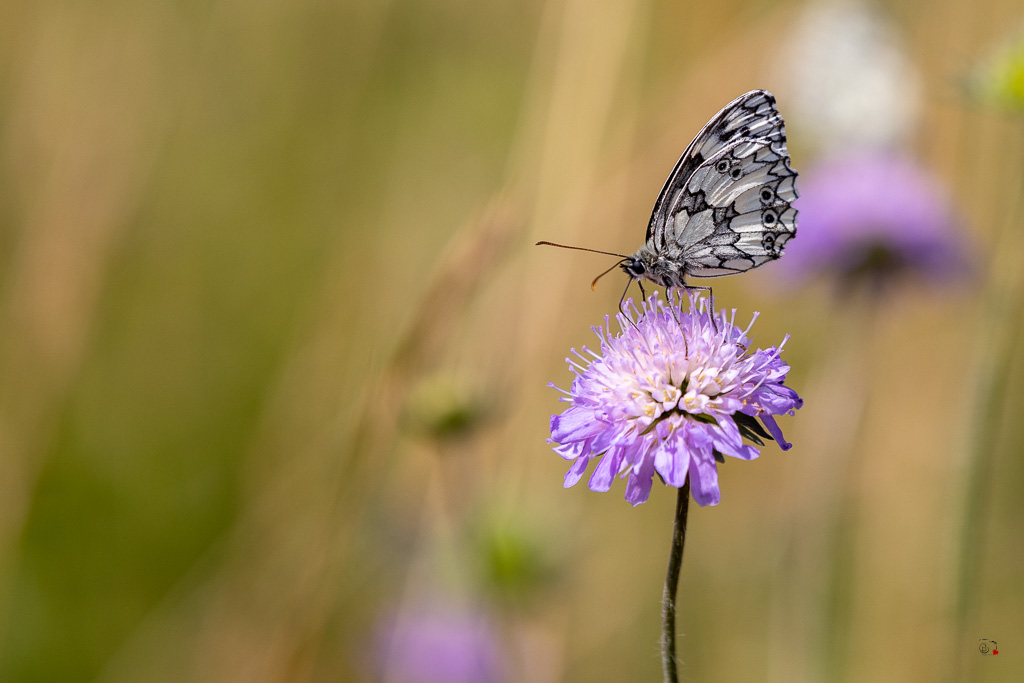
(727, 205)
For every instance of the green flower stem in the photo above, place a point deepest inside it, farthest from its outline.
(668, 598)
(1000, 333)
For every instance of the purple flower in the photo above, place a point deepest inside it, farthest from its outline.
(435, 644)
(871, 219)
(670, 394)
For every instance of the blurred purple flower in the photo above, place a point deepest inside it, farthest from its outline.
(873, 218)
(670, 394)
(438, 645)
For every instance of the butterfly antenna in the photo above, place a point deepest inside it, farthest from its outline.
(566, 246)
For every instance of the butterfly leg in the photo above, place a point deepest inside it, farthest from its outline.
(668, 296)
(622, 300)
(711, 301)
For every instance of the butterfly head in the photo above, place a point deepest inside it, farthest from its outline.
(661, 268)
(634, 267)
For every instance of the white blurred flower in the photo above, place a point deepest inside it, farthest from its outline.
(847, 81)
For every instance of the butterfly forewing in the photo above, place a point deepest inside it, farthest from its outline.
(726, 207)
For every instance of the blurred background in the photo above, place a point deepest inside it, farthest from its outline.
(275, 341)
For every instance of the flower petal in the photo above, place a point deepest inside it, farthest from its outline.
(574, 424)
(576, 471)
(727, 440)
(638, 487)
(572, 450)
(704, 481)
(604, 473)
(671, 458)
(773, 429)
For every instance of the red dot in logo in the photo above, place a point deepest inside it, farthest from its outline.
(995, 652)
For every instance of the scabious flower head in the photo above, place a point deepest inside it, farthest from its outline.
(670, 394)
(870, 219)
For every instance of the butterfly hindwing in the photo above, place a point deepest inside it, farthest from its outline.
(743, 196)
(726, 207)
(750, 116)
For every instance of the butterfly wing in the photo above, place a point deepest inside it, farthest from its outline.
(727, 206)
(735, 211)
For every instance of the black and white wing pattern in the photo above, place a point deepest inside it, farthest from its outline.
(727, 205)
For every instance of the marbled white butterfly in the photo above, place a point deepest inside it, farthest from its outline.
(727, 205)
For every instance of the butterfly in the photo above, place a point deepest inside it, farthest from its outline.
(726, 207)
